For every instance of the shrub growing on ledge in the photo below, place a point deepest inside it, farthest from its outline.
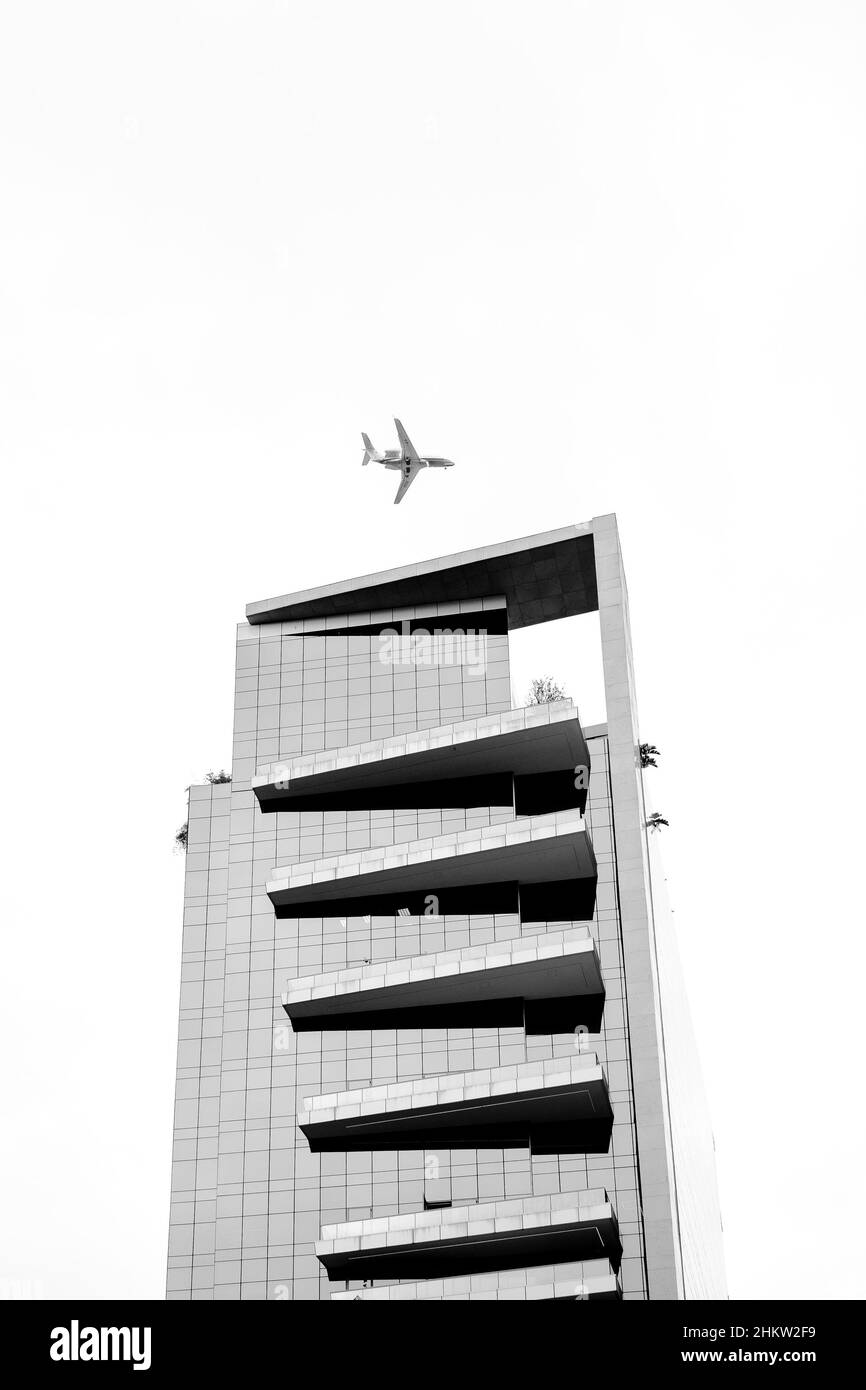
(656, 821)
(182, 836)
(216, 779)
(545, 691)
(648, 755)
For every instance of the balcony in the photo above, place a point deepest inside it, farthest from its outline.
(542, 867)
(549, 983)
(520, 1233)
(523, 758)
(550, 1107)
(574, 1281)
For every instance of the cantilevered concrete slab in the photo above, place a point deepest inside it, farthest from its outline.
(517, 1234)
(542, 577)
(548, 984)
(525, 758)
(573, 1281)
(555, 1106)
(542, 867)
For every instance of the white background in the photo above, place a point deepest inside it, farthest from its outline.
(608, 257)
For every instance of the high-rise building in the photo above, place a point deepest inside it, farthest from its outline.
(433, 1040)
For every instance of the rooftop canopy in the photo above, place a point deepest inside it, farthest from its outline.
(542, 577)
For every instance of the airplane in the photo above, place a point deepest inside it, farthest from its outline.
(406, 458)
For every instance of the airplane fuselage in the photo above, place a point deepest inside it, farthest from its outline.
(394, 459)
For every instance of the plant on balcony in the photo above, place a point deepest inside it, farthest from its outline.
(543, 690)
(216, 779)
(648, 755)
(656, 821)
(182, 836)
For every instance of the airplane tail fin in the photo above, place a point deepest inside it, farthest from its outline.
(370, 452)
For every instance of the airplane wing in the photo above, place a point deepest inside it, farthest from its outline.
(409, 450)
(405, 484)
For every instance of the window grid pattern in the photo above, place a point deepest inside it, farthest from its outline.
(248, 1196)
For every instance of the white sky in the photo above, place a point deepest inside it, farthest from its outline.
(609, 257)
